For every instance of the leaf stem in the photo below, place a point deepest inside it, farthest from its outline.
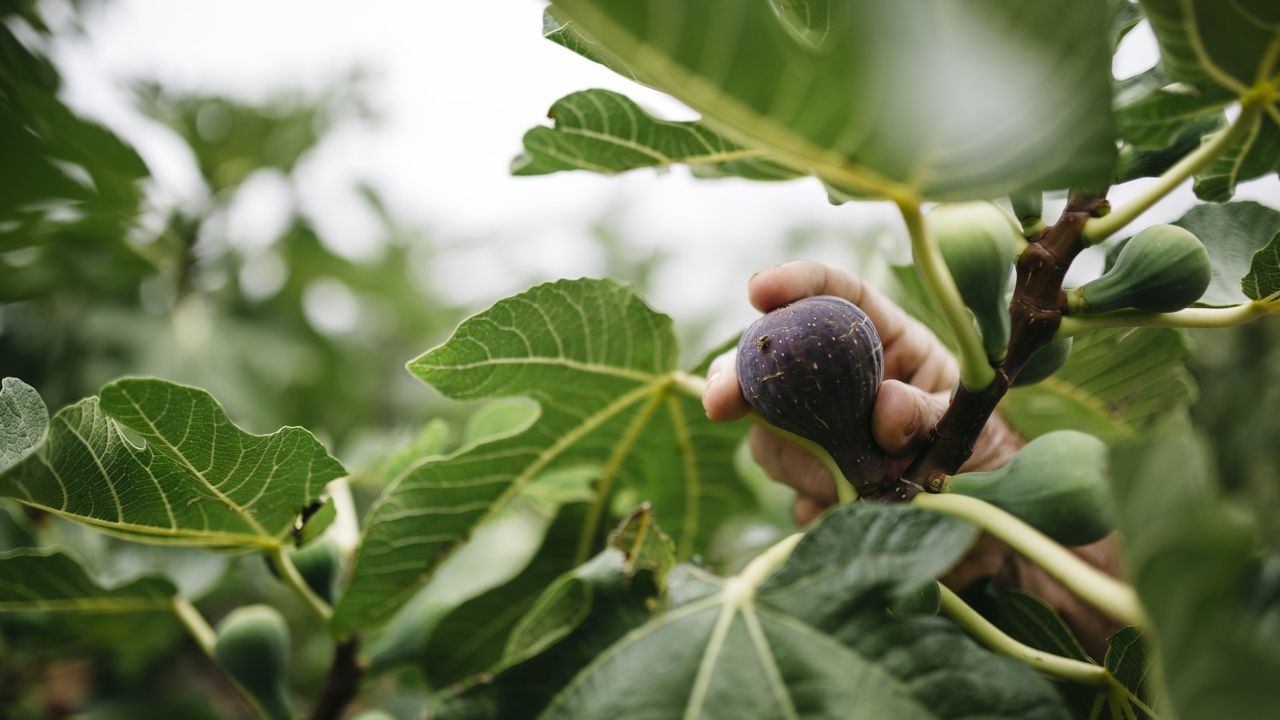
(1189, 318)
(1099, 229)
(976, 372)
(993, 637)
(291, 577)
(1088, 583)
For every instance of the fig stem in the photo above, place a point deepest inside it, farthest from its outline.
(291, 577)
(976, 372)
(1057, 666)
(1100, 590)
(1189, 318)
(1099, 229)
(207, 639)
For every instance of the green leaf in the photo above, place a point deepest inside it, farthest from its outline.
(602, 367)
(883, 98)
(1116, 385)
(1125, 16)
(1216, 46)
(643, 543)
(1152, 114)
(1030, 620)
(744, 648)
(559, 30)
(1195, 562)
(606, 132)
(1234, 234)
(50, 581)
(1256, 155)
(1263, 280)
(159, 462)
(470, 639)
(1129, 662)
(23, 422)
(1135, 162)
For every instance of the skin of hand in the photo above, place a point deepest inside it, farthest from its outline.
(919, 375)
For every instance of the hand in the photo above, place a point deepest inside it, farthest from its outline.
(919, 375)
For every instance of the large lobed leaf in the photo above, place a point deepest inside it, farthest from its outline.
(1218, 51)
(196, 479)
(23, 422)
(813, 640)
(943, 100)
(40, 580)
(1241, 239)
(605, 132)
(1116, 385)
(602, 367)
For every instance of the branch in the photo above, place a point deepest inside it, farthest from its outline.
(1189, 318)
(993, 637)
(975, 370)
(1035, 313)
(342, 684)
(1087, 582)
(1100, 229)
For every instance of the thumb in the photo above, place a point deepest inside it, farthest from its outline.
(903, 414)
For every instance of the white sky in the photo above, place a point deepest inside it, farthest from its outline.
(456, 85)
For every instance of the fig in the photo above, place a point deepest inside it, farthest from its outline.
(978, 243)
(253, 647)
(319, 564)
(1059, 484)
(924, 600)
(1044, 362)
(813, 368)
(1028, 206)
(1161, 269)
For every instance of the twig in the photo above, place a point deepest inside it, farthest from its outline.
(342, 684)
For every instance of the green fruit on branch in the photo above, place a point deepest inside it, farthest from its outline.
(253, 647)
(1059, 483)
(925, 600)
(1161, 269)
(1028, 206)
(978, 243)
(320, 565)
(813, 368)
(1044, 362)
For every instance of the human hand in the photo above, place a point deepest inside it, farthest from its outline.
(919, 375)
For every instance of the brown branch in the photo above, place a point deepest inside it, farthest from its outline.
(342, 684)
(1035, 312)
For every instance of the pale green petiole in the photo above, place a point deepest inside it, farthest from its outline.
(1087, 582)
(1189, 318)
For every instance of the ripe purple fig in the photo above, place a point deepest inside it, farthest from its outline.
(813, 368)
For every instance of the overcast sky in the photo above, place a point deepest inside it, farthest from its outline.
(456, 85)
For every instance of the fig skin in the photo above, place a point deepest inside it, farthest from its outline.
(1163, 268)
(813, 368)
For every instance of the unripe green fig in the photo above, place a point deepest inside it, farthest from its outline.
(1028, 205)
(978, 243)
(320, 564)
(813, 368)
(253, 646)
(925, 600)
(1059, 483)
(1044, 362)
(1161, 269)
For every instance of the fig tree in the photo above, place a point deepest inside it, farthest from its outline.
(1059, 483)
(813, 369)
(978, 243)
(253, 646)
(1161, 269)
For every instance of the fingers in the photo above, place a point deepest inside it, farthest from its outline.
(792, 465)
(912, 353)
(903, 415)
(722, 397)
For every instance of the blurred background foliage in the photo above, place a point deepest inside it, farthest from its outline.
(100, 277)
